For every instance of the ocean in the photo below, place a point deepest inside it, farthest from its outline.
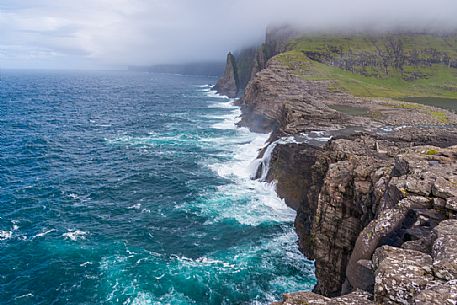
(135, 188)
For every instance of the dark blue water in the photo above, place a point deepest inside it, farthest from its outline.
(124, 188)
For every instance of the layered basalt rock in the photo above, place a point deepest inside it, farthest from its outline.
(381, 222)
(373, 204)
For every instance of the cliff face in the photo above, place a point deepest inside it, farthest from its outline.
(228, 84)
(280, 100)
(380, 222)
(408, 55)
(245, 64)
(374, 202)
(277, 40)
(340, 188)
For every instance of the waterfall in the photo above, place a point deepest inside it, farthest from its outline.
(263, 164)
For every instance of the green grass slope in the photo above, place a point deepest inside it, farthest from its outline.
(392, 66)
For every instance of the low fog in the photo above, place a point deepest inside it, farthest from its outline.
(115, 33)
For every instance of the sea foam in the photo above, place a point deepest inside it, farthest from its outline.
(4, 235)
(75, 235)
(248, 201)
(45, 233)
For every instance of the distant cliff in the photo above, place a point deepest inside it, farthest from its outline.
(229, 83)
(243, 65)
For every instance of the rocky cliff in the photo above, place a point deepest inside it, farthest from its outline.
(355, 196)
(242, 67)
(228, 84)
(375, 203)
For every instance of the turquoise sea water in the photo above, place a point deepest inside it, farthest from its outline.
(125, 188)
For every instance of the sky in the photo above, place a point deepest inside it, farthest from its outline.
(97, 34)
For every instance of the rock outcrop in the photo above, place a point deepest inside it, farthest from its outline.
(245, 63)
(228, 84)
(376, 205)
(242, 67)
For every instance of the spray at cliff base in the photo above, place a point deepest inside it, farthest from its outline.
(137, 193)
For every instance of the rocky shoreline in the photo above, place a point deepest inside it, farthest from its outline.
(376, 204)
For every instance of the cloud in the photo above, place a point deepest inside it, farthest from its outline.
(98, 33)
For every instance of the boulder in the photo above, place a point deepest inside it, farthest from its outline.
(444, 250)
(444, 188)
(358, 275)
(451, 204)
(309, 298)
(401, 274)
(438, 294)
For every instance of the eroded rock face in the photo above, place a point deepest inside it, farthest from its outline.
(293, 182)
(228, 84)
(371, 220)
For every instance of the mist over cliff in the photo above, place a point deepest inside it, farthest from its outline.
(88, 34)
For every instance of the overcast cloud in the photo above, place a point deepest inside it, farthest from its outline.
(116, 33)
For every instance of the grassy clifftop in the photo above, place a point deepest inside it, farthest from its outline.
(393, 66)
